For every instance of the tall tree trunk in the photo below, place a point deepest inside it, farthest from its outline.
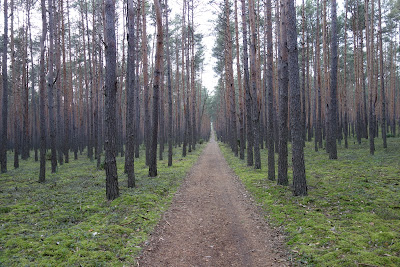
(229, 80)
(283, 99)
(16, 93)
(67, 89)
(58, 85)
(156, 85)
(303, 72)
(331, 141)
(383, 94)
(112, 190)
(256, 103)
(246, 88)
(184, 90)
(296, 126)
(42, 103)
(192, 83)
(50, 88)
(345, 125)
(34, 97)
(146, 89)
(270, 92)
(25, 101)
(239, 77)
(370, 72)
(4, 112)
(130, 97)
(170, 140)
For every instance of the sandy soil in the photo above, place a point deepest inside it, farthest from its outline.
(212, 222)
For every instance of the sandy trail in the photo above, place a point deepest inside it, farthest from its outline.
(212, 222)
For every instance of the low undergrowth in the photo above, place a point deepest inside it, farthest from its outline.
(351, 216)
(68, 221)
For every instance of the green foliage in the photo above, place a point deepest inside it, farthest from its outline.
(68, 221)
(351, 216)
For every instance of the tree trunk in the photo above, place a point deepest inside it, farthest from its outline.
(383, 94)
(246, 88)
(156, 85)
(229, 80)
(239, 77)
(16, 93)
(254, 76)
(146, 89)
(283, 99)
(112, 190)
(345, 125)
(331, 141)
(42, 103)
(170, 140)
(50, 88)
(296, 125)
(270, 92)
(130, 97)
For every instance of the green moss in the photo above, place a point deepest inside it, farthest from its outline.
(67, 220)
(352, 213)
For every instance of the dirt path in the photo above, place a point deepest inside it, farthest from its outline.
(212, 222)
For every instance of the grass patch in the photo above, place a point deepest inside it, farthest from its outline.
(351, 216)
(68, 221)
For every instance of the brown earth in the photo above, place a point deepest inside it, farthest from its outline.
(213, 222)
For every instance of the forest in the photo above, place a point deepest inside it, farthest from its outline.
(108, 125)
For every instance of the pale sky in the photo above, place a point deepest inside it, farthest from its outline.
(203, 16)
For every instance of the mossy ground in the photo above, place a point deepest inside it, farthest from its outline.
(351, 215)
(68, 221)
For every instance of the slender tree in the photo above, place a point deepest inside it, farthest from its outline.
(169, 87)
(229, 79)
(112, 190)
(156, 85)
(296, 126)
(382, 76)
(50, 88)
(239, 78)
(331, 141)
(254, 88)
(42, 103)
(4, 112)
(246, 88)
(283, 98)
(130, 101)
(270, 93)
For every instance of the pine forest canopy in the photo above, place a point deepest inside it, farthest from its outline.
(80, 77)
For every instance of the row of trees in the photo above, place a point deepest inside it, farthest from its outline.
(92, 78)
(292, 85)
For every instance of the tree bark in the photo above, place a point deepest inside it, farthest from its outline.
(229, 79)
(42, 103)
(283, 99)
(50, 88)
(383, 94)
(270, 93)
(112, 190)
(296, 125)
(256, 103)
(246, 88)
(240, 97)
(331, 140)
(170, 140)
(130, 98)
(156, 85)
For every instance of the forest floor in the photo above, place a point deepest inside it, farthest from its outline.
(351, 216)
(67, 220)
(213, 222)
